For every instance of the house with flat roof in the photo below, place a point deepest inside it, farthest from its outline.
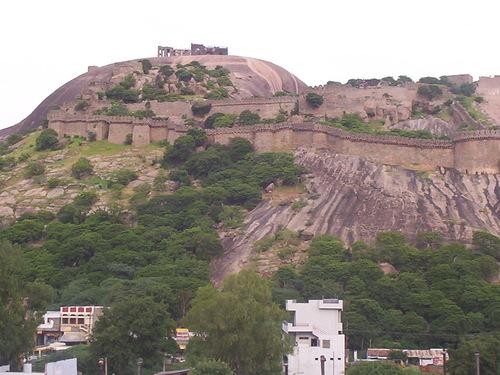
(318, 338)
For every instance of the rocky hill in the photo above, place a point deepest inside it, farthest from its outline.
(249, 77)
(353, 199)
(381, 154)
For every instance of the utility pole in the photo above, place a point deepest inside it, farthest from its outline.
(444, 361)
(478, 369)
(105, 365)
(139, 366)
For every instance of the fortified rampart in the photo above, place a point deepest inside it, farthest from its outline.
(474, 151)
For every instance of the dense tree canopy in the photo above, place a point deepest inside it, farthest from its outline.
(19, 302)
(436, 296)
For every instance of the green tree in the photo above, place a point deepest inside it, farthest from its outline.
(463, 361)
(199, 135)
(33, 169)
(248, 117)
(430, 92)
(82, 168)
(314, 100)
(146, 65)
(47, 140)
(375, 368)
(487, 243)
(240, 324)
(132, 328)
(201, 108)
(182, 149)
(17, 320)
(212, 367)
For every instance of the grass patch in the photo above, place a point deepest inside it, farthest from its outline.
(469, 104)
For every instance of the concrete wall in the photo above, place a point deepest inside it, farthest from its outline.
(476, 151)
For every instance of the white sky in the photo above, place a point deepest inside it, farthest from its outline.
(45, 43)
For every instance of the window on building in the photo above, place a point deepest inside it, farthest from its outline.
(72, 320)
(65, 320)
(303, 338)
(81, 321)
(326, 344)
(314, 342)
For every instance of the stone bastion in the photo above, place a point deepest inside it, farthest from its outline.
(469, 152)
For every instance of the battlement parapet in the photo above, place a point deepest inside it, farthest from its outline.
(336, 132)
(476, 135)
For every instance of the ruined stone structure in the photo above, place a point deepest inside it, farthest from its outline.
(470, 152)
(196, 50)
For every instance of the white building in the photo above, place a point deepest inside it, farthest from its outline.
(319, 342)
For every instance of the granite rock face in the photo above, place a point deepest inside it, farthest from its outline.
(354, 199)
(434, 125)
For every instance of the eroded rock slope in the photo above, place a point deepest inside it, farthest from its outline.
(355, 199)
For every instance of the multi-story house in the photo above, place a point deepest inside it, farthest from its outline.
(319, 342)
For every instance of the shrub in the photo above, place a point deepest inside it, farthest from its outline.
(82, 168)
(81, 105)
(143, 113)
(404, 79)
(7, 162)
(478, 99)
(150, 92)
(430, 80)
(390, 81)
(166, 70)
(182, 149)
(123, 91)
(184, 75)
(231, 216)
(314, 100)
(54, 182)
(91, 136)
(180, 176)
(238, 148)
(23, 157)
(34, 169)
(47, 140)
(128, 139)
(119, 92)
(249, 118)
(13, 139)
(430, 92)
(212, 367)
(85, 199)
(117, 109)
(146, 65)
(199, 135)
(159, 181)
(124, 176)
(187, 91)
(201, 108)
(466, 89)
(209, 122)
(217, 94)
(128, 82)
(224, 81)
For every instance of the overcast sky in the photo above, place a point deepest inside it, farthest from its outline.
(47, 43)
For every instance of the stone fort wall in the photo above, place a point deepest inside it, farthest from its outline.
(476, 151)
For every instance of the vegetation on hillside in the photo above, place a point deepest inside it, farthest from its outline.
(158, 258)
(352, 122)
(439, 295)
